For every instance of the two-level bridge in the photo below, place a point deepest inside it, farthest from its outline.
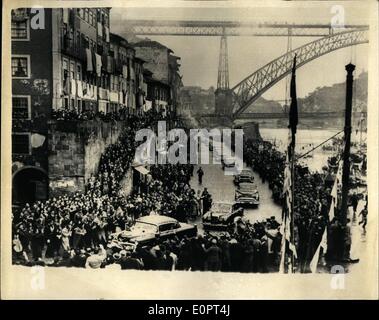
(233, 102)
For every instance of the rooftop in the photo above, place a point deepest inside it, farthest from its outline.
(151, 44)
(118, 39)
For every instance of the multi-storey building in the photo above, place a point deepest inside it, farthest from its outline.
(157, 94)
(71, 64)
(175, 82)
(32, 94)
(82, 64)
(164, 67)
(120, 80)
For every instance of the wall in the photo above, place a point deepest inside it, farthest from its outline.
(74, 152)
(156, 61)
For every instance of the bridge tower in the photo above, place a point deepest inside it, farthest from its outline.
(223, 95)
(223, 67)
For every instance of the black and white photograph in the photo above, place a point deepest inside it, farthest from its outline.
(189, 149)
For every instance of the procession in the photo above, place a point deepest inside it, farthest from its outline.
(79, 230)
(285, 191)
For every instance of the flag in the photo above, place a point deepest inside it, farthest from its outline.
(333, 205)
(288, 183)
(323, 245)
(293, 114)
(287, 213)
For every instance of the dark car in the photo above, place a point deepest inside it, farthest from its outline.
(220, 216)
(247, 194)
(244, 176)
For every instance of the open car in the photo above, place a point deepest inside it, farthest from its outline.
(220, 216)
(149, 228)
(247, 194)
(244, 176)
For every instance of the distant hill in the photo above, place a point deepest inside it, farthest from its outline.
(261, 105)
(333, 98)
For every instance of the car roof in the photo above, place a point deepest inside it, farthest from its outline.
(246, 185)
(246, 172)
(157, 219)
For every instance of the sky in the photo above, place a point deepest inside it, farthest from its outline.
(199, 55)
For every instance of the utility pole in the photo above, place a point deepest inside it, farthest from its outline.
(346, 155)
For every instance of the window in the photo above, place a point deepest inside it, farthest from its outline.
(81, 13)
(80, 107)
(20, 66)
(65, 77)
(20, 30)
(21, 143)
(116, 86)
(78, 40)
(65, 103)
(165, 227)
(78, 72)
(91, 17)
(72, 70)
(86, 14)
(21, 107)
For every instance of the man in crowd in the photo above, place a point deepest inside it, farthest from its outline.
(95, 260)
(200, 174)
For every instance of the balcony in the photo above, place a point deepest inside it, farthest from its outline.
(103, 94)
(71, 49)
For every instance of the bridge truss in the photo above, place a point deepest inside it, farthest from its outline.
(253, 86)
(232, 28)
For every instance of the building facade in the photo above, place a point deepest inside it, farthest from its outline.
(67, 65)
(32, 94)
(164, 67)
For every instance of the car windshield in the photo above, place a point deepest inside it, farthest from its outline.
(221, 207)
(151, 228)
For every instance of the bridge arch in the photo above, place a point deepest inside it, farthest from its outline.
(253, 86)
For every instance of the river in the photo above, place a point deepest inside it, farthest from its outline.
(306, 139)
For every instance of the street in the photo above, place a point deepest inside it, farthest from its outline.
(222, 188)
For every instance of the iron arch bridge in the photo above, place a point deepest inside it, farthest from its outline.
(252, 87)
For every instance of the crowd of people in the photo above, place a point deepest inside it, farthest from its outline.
(84, 115)
(312, 200)
(74, 230)
(51, 228)
(115, 115)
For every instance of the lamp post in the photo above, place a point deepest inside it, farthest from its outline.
(346, 154)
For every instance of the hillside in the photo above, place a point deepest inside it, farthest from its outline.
(333, 98)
